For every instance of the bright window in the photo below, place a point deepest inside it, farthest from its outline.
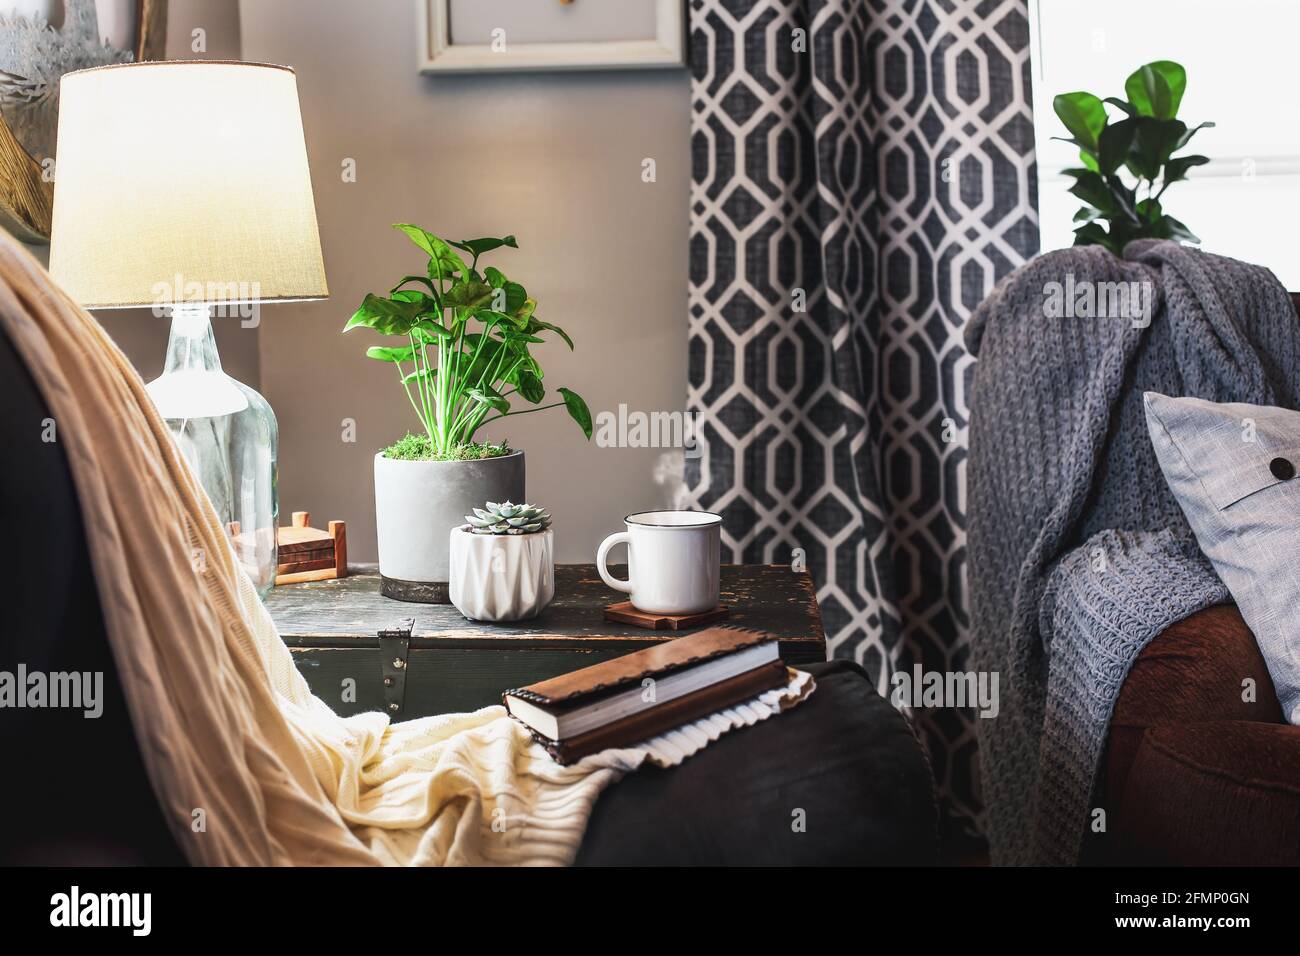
(1242, 65)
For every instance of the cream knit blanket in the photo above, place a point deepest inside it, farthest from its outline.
(248, 766)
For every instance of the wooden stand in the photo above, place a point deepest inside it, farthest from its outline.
(625, 613)
(309, 554)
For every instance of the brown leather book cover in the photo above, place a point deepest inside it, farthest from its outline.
(633, 668)
(675, 713)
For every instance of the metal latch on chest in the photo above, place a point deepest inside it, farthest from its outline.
(394, 654)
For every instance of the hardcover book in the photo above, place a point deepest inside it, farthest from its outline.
(635, 697)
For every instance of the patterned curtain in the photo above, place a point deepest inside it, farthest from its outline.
(863, 174)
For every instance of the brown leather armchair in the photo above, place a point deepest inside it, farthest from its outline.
(1195, 772)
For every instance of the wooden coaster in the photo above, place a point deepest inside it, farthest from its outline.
(305, 553)
(625, 613)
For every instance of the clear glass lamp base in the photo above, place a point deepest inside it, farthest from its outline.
(228, 434)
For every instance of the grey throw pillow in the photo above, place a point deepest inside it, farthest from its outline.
(1235, 470)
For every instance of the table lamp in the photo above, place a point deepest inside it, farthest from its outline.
(184, 187)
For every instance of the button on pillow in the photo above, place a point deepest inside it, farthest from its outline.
(1232, 468)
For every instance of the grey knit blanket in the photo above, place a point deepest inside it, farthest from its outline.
(1078, 553)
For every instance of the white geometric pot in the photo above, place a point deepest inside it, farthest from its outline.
(502, 577)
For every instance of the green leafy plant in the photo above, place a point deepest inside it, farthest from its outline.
(508, 518)
(1143, 142)
(464, 359)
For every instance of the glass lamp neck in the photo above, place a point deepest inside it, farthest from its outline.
(191, 346)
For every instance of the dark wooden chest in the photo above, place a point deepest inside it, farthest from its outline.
(350, 643)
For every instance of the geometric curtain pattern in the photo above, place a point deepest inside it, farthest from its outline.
(863, 172)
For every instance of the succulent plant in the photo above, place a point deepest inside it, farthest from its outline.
(507, 518)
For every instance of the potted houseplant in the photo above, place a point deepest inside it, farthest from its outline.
(1141, 143)
(503, 563)
(463, 358)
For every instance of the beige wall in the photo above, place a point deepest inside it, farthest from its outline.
(556, 160)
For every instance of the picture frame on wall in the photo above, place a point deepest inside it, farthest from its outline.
(476, 36)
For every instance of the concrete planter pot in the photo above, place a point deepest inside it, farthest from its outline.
(502, 577)
(417, 503)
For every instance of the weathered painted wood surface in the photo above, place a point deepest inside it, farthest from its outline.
(455, 664)
(349, 612)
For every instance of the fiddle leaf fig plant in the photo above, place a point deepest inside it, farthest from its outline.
(463, 353)
(1142, 143)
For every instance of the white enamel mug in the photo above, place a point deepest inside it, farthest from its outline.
(672, 561)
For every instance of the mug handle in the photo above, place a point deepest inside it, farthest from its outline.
(620, 537)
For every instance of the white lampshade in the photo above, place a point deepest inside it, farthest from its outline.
(189, 177)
